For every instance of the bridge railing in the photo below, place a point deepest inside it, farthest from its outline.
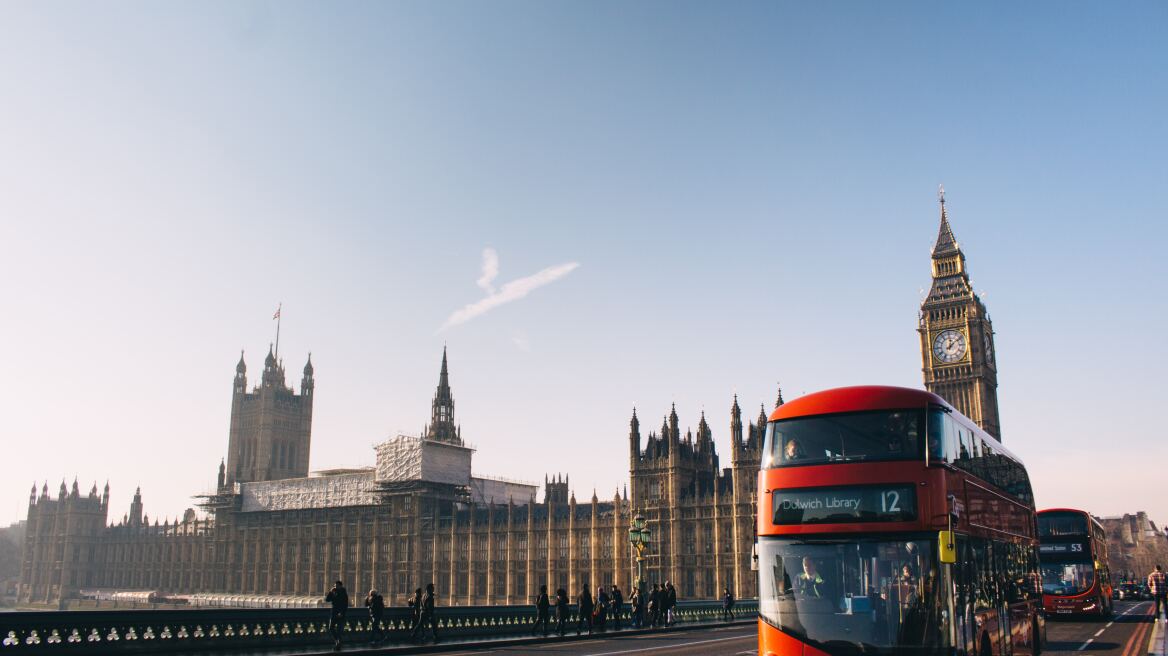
(108, 631)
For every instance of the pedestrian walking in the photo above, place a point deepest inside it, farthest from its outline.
(727, 605)
(338, 597)
(637, 604)
(584, 611)
(600, 609)
(1157, 586)
(654, 605)
(415, 604)
(618, 602)
(426, 617)
(670, 603)
(561, 610)
(376, 605)
(541, 611)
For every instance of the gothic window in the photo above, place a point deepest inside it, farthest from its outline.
(563, 545)
(585, 547)
(541, 547)
(708, 539)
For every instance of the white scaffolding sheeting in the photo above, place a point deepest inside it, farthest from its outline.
(406, 458)
(316, 492)
(494, 490)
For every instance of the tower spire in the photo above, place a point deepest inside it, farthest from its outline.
(946, 243)
(442, 426)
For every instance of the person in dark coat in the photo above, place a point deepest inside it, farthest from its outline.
(541, 611)
(636, 609)
(655, 605)
(670, 602)
(561, 610)
(427, 617)
(415, 604)
(376, 605)
(339, 598)
(618, 602)
(727, 605)
(600, 609)
(584, 609)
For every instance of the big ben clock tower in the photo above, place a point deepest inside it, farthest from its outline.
(957, 337)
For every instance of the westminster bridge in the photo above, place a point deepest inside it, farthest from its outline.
(298, 630)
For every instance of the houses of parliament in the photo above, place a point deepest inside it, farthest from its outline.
(420, 514)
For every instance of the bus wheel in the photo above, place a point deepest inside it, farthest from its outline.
(985, 650)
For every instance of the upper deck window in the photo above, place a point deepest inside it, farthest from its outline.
(851, 437)
(1052, 524)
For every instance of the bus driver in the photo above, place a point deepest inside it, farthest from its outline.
(809, 584)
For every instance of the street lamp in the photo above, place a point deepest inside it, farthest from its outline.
(639, 537)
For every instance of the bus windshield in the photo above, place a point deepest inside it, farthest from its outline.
(857, 436)
(1067, 578)
(868, 596)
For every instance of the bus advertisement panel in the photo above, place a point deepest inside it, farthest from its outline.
(889, 524)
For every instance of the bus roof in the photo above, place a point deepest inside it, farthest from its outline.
(874, 397)
(1094, 519)
(857, 399)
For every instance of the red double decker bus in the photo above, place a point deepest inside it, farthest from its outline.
(890, 524)
(1073, 553)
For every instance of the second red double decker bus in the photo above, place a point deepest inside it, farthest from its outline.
(890, 524)
(1073, 551)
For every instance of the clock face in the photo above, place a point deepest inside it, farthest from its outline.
(949, 346)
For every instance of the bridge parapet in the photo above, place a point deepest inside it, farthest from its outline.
(226, 629)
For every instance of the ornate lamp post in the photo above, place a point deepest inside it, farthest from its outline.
(639, 537)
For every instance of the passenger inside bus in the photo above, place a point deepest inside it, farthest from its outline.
(792, 451)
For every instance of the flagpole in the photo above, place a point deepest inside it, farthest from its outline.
(279, 313)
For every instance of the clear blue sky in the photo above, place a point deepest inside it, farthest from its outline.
(748, 191)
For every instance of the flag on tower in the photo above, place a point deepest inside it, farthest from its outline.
(277, 314)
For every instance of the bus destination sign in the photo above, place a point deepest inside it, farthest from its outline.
(1060, 548)
(842, 505)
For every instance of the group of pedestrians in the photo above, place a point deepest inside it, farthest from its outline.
(655, 607)
(652, 609)
(422, 614)
(593, 615)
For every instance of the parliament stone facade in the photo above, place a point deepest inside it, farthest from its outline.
(418, 516)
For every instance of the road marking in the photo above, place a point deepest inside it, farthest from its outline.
(1132, 647)
(687, 644)
(1100, 631)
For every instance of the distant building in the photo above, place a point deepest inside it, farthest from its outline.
(1135, 546)
(417, 516)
